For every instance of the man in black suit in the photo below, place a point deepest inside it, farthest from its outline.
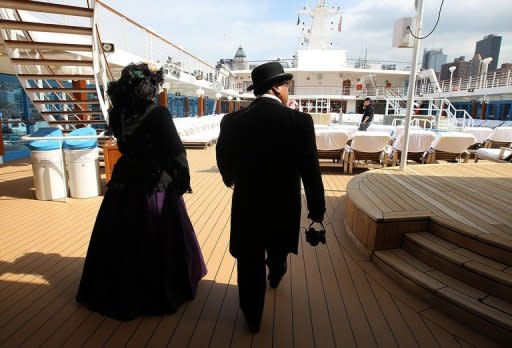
(263, 152)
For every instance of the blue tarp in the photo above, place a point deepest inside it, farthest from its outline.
(79, 144)
(46, 145)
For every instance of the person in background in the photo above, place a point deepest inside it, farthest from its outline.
(143, 256)
(263, 153)
(293, 104)
(367, 114)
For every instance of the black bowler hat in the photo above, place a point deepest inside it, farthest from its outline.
(265, 74)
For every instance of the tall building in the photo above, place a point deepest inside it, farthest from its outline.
(463, 69)
(476, 65)
(433, 59)
(489, 46)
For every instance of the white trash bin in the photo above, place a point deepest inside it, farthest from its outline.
(48, 170)
(83, 172)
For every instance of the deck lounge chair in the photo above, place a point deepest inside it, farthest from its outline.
(481, 133)
(381, 128)
(450, 147)
(500, 137)
(366, 146)
(330, 143)
(503, 154)
(419, 142)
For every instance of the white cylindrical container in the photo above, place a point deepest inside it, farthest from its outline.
(49, 180)
(83, 172)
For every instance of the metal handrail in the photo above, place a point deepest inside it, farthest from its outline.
(472, 83)
(197, 64)
(100, 67)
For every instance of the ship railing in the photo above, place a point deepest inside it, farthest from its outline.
(102, 73)
(335, 90)
(144, 43)
(459, 118)
(471, 84)
(394, 100)
(444, 113)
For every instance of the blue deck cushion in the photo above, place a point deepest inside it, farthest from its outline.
(45, 145)
(80, 144)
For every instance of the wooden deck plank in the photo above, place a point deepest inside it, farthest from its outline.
(214, 250)
(385, 195)
(376, 319)
(331, 290)
(417, 325)
(401, 331)
(358, 320)
(266, 335)
(320, 319)
(102, 333)
(340, 323)
(443, 338)
(301, 316)
(84, 332)
(456, 329)
(226, 321)
(24, 322)
(122, 334)
(283, 313)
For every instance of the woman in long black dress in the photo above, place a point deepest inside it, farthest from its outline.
(143, 257)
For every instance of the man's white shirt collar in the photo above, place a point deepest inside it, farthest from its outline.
(266, 95)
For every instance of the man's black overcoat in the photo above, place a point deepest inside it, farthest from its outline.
(264, 151)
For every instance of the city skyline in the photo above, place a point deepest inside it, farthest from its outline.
(215, 29)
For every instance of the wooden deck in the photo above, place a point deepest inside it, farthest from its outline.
(474, 198)
(332, 295)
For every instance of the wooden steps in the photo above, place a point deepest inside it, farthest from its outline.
(471, 305)
(52, 62)
(36, 45)
(56, 60)
(60, 89)
(482, 272)
(61, 122)
(48, 28)
(488, 244)
(476, 288)
(72, 112)
(38, 6)
(56, 77)
(61, 102)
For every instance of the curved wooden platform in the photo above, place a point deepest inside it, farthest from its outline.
(446, 229)
(471, 199)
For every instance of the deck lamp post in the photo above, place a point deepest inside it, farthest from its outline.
(230, 103)
(238, 100)
(483, 71)
(200, 103)
(217, 103)
(452, 69)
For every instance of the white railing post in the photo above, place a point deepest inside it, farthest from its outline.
(493, 79)
(99, 67)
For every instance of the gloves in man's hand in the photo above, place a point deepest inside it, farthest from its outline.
(313, 236)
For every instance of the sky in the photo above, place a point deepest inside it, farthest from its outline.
(267, 29)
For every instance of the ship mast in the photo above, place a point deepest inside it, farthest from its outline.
(316, 35)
